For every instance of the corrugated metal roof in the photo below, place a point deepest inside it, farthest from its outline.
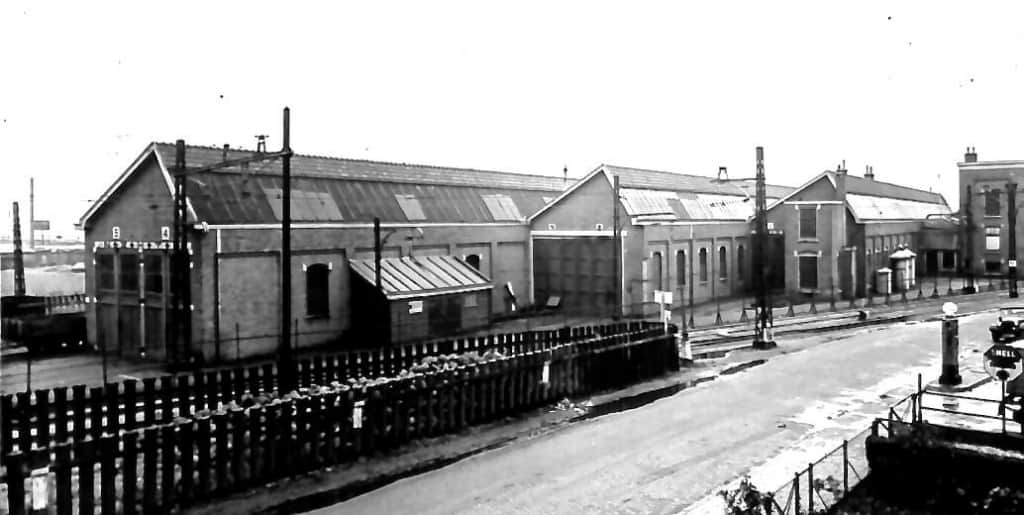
(867, 207)
(672, 205)
(353, 193)
(668, 181)
(421, 276)
(377, 171)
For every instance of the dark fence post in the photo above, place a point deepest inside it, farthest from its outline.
(167, 399)
(203, 465)
(221, 436)
(16, 482)
(96, 412)
(113, 398)
(131, 405)
(238, 448)
(108, 473)
(810, 488)
(85, 455)
(6, 426)
(167, 467)
(186, 440)
(846, 468)
(129, 473)
(796, 493)
(62, 470)
(150, 446)
(43, 411)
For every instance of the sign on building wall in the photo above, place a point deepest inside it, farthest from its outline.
(415, 306)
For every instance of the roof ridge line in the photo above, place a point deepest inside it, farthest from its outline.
(350, 159)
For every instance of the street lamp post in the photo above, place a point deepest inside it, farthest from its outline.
(1011, 201)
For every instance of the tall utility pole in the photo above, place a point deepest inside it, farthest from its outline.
(764, 320)
(180, 328)
(376, 252)
(1011, 208)
(19, 258)
(31, 212)
(968, 264)
(286, 362)
(617, 250)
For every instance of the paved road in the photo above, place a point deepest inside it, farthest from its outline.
(670, 454)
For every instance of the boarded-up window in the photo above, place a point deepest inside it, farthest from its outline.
(992, 238)
(105, 271)
(317, 290)
(992, 203)
(723, 263)
(153, 264)
(681, 267)
(501, 207)
(129, 272)
(808, 272)
(808, 223)
(702, 264)
(410, 206)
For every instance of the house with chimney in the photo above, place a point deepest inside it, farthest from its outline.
(848, 236)
(988, 190)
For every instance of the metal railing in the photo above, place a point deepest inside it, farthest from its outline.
(824, 482)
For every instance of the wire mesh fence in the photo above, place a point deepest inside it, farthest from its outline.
(820, 486)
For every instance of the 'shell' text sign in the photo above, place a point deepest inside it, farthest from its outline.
(1003, 362)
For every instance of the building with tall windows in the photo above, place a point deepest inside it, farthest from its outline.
(984, 203)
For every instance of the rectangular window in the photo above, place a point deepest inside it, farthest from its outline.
(306, 205)
(992, 203)
(410, 206)
(809, 223)
(318, 290)
(992, 267)
(808, 272)
(948, 259)
(105, 271)
(154, 265)
(470, 300)
(992, 238)
(129, 272)
(702, 264)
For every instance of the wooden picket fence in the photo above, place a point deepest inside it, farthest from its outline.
(56, 415)
(188, 461)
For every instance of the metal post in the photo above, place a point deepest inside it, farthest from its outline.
(796, 493)
(28, 369)
(1011, 201)
(376, 251)
(31, 212)
(285, 363)
(968, 265)
(19, 258)
(763, 314)
(617, 236)
(810, 488)
(1002, 402)
(846, 468)
(238, 346)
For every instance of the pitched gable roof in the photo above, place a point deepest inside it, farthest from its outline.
(868, 199)
(871, 187)
(675, 195)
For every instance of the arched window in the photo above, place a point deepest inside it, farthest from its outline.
(318, 290)
(723, 263)
(473, 260)
(741, 263)
(702, 264)
(655, 271)
(681, 267)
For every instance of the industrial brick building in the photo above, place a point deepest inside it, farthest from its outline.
(840, 231)
(688, 234)
(234, 217)
(984, 199)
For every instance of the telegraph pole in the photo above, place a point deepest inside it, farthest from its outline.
(617, 246)
(1011, 208)
(763, 322)
(376, 251)
(968, 264)
(181, 323)
(286, 362)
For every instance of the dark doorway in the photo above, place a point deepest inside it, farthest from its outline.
(931, 263)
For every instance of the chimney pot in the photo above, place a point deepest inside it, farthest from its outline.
(971, 156)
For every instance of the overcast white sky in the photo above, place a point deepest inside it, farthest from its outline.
(521, 86)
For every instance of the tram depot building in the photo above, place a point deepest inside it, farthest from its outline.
(461, 247)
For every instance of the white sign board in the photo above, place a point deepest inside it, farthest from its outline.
(1013, 263)
(415, 306)
(662, 297)
(357, 414)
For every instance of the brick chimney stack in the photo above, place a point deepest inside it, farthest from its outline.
(869, 172)
(841, 182)
(971, 156)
